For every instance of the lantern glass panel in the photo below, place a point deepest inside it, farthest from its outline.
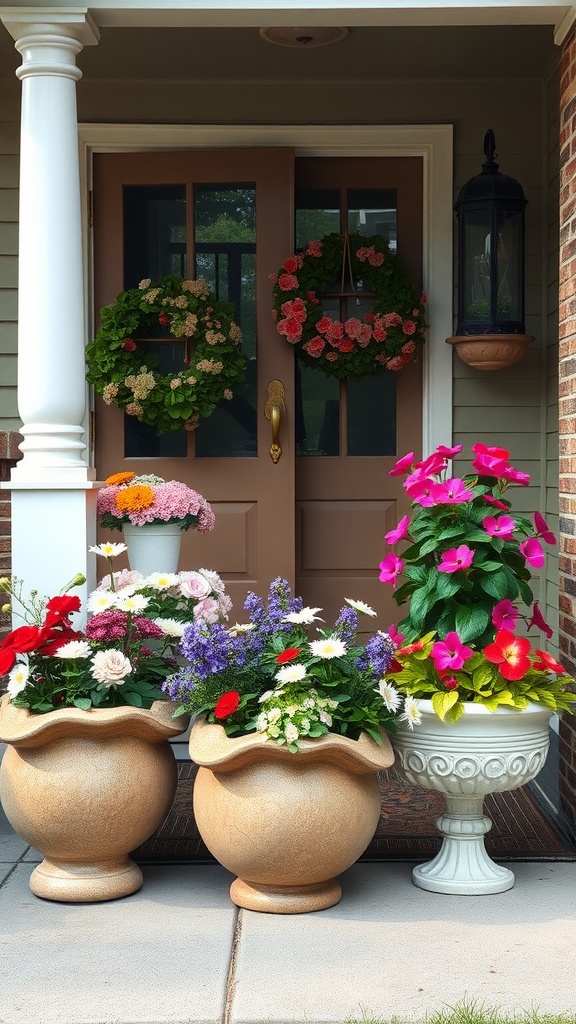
(510, 284)
(476, 285)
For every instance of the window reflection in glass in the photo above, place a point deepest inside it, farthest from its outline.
(225, 248)
(154, 232)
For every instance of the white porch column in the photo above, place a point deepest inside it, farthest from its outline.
(53, 501)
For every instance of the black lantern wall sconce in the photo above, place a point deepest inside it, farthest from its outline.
(490, 208)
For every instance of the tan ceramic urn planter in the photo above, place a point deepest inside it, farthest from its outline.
(85, 788)
(286, 824)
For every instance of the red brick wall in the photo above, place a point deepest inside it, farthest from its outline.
(9, 455)
(567, 424)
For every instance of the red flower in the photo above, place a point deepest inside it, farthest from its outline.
(291, 265)
(287, 282)
(59, 608)
(548, 664)
(20, 641)
(450, 682)
(163, 319)
(227, 704)
(129, 345)
(288, 655)
(510, 653)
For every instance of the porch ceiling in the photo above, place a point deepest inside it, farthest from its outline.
(379, 53)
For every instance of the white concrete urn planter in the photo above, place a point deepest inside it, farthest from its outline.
(85, 788)
(154, 547)
(483, 752)
(286, 824)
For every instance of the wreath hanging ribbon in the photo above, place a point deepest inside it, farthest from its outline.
(124, 371)
(386, 338)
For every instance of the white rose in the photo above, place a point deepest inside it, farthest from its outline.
(110, 667)
(194, 585)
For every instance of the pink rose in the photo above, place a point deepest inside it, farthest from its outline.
(194, 585)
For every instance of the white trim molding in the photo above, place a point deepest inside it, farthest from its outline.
(433, 143)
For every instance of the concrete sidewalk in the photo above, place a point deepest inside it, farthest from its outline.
(179, 952)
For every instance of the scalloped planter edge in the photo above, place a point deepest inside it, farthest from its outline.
(491, 351)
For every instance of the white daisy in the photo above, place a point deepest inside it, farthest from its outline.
(108, 549)
(411, 714)
(133, 603)
(18, 679)
(162, 580)
(389, 694)
(291, 674)
(75, 649)
(171, 627)
(360, 606)
(101, 601)
(306, 616)
(241, 627)
(331, 647)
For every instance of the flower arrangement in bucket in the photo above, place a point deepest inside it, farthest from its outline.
(287, 706)
(482, 696)
(148, 508)
(89, 773)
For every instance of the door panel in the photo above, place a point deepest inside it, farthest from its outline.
(253, 498)
(318, 516)
(345, 499)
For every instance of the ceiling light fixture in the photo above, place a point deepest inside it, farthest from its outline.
(303, 38)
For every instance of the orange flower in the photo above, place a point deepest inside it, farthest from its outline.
(132, 499)
(119, 478)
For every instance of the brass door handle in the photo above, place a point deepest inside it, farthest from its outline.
(273, 411)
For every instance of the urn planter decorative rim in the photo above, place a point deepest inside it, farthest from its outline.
(481, 711)
(210, 747)
(19, 727)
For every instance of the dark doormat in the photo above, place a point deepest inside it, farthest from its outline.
(406, 831)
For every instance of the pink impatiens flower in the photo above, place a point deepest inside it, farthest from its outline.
(490, 461)
(504, 526)
(538, 621)
(442, 449)
(533, 552)
(390, 569)
(456, 558)
(393, 536)
(403, 465)
(504, 615)
(515, 476)
(426, 492)
(450, 653)
(454, 492)
(542, 529)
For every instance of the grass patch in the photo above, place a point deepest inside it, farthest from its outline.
(471, 1013)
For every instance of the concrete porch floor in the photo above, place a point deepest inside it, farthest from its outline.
(179, 952)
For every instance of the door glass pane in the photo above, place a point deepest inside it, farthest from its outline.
(154, 232)
(225, 248)
(155, 246)
(372, 211)
(364, 410)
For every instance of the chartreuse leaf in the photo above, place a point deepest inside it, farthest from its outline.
(442, 702)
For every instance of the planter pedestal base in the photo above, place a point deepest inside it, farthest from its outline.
(462, 866)
(285, 899)
(86, 883)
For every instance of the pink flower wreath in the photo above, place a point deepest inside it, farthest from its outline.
(387, 338)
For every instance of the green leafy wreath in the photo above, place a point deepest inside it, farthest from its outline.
(124, 371)
(387, 338)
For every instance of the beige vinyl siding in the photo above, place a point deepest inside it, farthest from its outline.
(9, 147)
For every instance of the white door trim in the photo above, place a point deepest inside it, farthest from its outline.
(431, 142)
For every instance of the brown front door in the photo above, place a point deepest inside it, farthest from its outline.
(317, 516)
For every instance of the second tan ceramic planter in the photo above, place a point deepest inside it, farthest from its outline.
(85, 788)
(286, 824)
